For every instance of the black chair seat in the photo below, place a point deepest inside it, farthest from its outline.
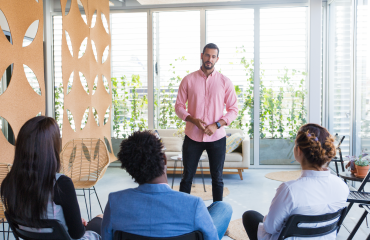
(359, 197)
(291, 227)
(58, 231)
(120, 235)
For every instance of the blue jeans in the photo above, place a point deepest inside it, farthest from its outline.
(221, 215)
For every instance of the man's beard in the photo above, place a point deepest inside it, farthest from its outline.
(207, 67)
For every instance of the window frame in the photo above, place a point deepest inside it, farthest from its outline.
(203, 9)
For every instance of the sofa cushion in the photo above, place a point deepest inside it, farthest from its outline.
(233, 142)
(234, 157)
(172, 144)
(230, 157)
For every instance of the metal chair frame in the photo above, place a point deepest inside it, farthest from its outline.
(360, 197)
(120, 235)
(58, 231)
(291, 227)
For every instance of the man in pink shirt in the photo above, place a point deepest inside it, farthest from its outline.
(207, 92)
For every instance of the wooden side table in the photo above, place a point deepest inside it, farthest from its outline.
(176, 159)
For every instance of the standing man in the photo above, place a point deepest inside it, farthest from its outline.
(207, 93)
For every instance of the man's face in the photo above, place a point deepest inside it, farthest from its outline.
(209, 58)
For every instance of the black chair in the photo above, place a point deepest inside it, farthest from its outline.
(337, 160)
(119, 235)
(58, 231)
(367, 210)
(291, 228)
(360, 197)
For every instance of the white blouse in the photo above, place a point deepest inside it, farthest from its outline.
(314, 193)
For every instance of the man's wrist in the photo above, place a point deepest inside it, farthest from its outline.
(222, 122)
(189, 118)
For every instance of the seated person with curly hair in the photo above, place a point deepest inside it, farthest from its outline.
(153, 209)
(316, 192)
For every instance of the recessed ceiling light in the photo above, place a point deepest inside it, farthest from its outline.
(156, 2)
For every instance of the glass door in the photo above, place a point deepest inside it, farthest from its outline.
(340, 71)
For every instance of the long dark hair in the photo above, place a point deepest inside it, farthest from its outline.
(26, 189)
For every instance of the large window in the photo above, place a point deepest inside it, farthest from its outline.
(283, 90)
(362, 71)
(129, 72)
(233, 32)
(176, 44)
(177, 39)
(340, 70)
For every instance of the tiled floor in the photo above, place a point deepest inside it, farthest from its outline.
(254, 192)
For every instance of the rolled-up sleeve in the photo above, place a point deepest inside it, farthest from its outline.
(182, 98)
(231, 102)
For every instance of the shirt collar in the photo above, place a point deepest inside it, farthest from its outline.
(147, 187)
(212, 74)
(313, 173)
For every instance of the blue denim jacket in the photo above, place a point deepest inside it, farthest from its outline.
(156, 210)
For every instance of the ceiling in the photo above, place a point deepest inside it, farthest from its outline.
(140, 4)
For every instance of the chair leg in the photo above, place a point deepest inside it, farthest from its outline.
(201, 169)
(336, 167)
(90, 204)
(98, 199)
(174, 172)
(357, 226)
(87, 208)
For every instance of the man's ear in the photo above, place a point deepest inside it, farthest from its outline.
(201, 56)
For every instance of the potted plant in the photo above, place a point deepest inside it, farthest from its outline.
(359, 165)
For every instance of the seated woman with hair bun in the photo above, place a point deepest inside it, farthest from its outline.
(316, 192)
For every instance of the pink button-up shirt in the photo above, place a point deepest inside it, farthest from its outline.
(207, 98)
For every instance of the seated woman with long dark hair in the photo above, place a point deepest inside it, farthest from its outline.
(34, 190)
(316, 192)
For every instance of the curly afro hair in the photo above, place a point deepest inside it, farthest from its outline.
(316, 143)
(142, 157)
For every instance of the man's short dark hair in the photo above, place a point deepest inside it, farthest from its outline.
(211, 46)
(142, 157)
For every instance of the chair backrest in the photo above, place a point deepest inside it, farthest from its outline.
(120, 235)
(291, 228)
(4, 170)
(84, 159)
(58, 231)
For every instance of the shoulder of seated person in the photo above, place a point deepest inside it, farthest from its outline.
(64, 180)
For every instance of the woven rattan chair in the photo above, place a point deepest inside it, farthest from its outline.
(85, 161)
(4, 170)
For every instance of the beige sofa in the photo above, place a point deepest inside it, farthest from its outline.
(235, 162)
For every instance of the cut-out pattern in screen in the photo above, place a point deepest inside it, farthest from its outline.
(85, 118)
(32, 79)
(71, 120)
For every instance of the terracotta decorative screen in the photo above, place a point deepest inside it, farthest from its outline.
(86, 70)
(21, 59)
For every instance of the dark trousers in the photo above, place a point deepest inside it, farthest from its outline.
(95, 225)
(251, 220)
(191, 153)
